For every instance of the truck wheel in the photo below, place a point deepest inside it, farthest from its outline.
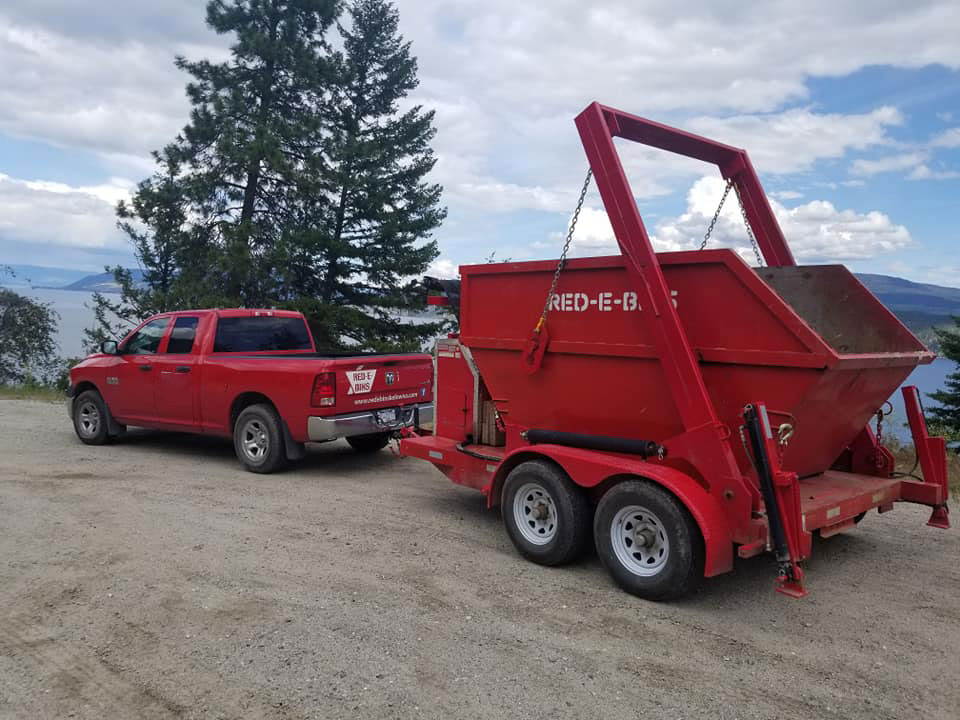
(648, 541)
(369, 443)
(91, 418)
(258, 439)
(546, 516)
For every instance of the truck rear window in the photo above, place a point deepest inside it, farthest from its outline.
(263, 333)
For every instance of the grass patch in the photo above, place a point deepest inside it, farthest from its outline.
(31, 392)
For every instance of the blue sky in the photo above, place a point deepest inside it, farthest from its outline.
(851, 114)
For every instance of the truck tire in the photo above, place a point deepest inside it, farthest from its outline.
(369, 443)
(91, 419)
(258, 439)
(546, 516)
(647, 541)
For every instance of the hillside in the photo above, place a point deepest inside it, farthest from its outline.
(100, 282)
(920, 306)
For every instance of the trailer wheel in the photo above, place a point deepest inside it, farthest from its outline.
(546, 516)
(648, 541)
(369, 443)
(258, 439)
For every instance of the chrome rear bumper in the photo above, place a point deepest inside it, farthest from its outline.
(369, 422)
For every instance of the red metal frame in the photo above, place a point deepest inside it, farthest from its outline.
(706, 440)
(598, 125)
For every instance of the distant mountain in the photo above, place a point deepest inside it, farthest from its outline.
(101, 282)
(899, 294)
(25, 276)
(920, 306)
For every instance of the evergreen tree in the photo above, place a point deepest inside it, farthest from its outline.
(947, 414)
(298, 180)
(368, 210)
(202, 226)
(250, 129)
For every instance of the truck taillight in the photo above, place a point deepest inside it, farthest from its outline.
(324, 390)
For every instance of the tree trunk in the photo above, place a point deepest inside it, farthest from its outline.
(241, 242)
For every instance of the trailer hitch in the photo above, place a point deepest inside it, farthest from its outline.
(780, 496)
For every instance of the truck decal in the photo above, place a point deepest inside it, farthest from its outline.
(361, 381)
(386, 398)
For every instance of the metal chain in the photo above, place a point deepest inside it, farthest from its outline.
(566, 248)
(716, 215)
(746, 222)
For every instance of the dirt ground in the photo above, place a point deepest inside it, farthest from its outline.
(155, 579)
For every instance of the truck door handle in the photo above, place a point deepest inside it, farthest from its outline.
(145, 368)
(182, 369)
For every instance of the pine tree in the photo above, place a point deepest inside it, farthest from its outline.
(201, 226)
(249, 130)
(946, 415)
(297, 181)
(364, 230)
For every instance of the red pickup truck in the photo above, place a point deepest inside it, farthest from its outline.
(253, 375)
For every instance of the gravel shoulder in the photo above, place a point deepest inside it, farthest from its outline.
(156, 579)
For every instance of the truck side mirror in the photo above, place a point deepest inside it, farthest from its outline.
(108, 347)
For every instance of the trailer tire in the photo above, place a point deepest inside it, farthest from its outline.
(560, 531)
(258, 439)
(648, 541)
(369, 443)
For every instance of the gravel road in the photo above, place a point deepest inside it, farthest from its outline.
(155, 579)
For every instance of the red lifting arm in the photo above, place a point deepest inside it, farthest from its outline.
(598, 125)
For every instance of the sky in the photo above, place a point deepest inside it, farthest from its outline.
(850, 112)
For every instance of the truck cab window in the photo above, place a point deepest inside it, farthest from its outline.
(182, 335)
(146, 341)
(262, 333)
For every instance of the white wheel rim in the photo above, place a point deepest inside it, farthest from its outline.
(535, 514)
(639, 541)
(88, 419)
(254, 440)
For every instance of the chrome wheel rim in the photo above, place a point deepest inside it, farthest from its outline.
(88, 419)
(535, 514)
(639, 541)
(254, 440)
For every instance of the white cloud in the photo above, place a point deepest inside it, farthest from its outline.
(923, 172)
(890, 163)
(506, 80)
(816, 231)
(443, 268)
(56, 215)
(947, 139)
(794, 140)
(121, 96)
(111, 192)
(787, 195)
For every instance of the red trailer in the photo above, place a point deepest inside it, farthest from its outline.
(680, 406)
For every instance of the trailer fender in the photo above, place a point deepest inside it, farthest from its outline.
(591, 469)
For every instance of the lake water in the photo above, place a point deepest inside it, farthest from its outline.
(76, 314)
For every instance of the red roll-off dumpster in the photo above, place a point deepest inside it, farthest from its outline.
(675, 405)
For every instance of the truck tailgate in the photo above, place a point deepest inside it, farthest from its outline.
(382, 381)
